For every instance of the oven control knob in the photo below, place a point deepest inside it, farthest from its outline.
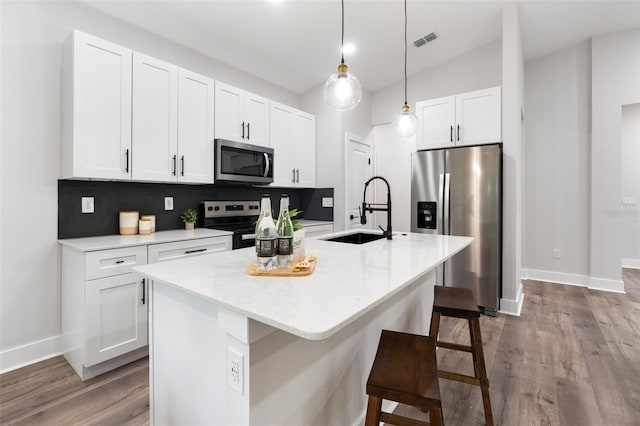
(209, 208)
(217, 208)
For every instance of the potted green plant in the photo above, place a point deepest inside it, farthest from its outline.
(298, 233)
(189, 217)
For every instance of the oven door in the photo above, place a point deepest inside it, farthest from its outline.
(244, 238)
(242, 163)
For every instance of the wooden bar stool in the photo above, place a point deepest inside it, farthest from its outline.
(459, 303)
(405, 371)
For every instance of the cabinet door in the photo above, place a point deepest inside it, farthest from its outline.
(195, 127)
(229, 112)
(155, 119)
(436, 120)
(116, 315)
(99, 144)
(256, 115)
(304, 148)
(280, 139)
(479, 116)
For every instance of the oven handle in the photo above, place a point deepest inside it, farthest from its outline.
(248, 237)
(267, 164)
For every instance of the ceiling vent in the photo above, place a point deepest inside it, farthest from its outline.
(424, 40)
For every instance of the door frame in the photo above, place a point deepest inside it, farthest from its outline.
(349, 136)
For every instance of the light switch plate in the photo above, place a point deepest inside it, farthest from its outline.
(168, 203)
(327, 201)
(87, 205)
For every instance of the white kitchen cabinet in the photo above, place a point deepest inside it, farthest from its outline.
(293, 139)
(154, 120)
(195, 127)
(96, 109)
(464, 119)
(316, 230)
(241, 116)
(104, 303)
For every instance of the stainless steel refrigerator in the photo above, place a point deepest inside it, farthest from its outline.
(458, 191)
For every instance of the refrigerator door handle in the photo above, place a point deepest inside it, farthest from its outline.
(440, 212)
(446, 230)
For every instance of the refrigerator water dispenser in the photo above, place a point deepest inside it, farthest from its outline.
(427, 214)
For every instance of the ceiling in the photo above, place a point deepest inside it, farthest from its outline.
(295, 44)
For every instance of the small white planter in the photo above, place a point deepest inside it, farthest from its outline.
(298, 244)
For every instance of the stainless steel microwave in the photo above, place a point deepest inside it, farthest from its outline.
(239, 162)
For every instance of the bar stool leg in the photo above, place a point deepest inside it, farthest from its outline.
(479, 367)
(434, 327)
(435, 417)
(374, 409)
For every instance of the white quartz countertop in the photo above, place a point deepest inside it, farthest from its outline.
(117, 241)
(349, 280)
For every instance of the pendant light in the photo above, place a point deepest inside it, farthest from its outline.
(406, 123)
(342, 89)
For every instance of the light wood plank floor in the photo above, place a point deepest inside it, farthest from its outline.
(571, 358)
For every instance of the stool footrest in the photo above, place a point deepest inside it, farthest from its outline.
(459, 377)
(401, 421)
(454, 346)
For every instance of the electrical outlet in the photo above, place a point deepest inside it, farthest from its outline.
(87, 205)
(556, 254)
(235, 370)
(168, 203)
(327, 201)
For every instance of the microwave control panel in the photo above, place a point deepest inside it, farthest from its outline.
(427, 214)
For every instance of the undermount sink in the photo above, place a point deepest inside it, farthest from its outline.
(356, 238)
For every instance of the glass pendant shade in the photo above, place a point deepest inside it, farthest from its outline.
(406, 123)
(342, 90)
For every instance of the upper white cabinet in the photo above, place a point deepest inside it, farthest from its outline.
(155, 119)
(293, 138)
(465, 119)
(96, 109)
(241, 116)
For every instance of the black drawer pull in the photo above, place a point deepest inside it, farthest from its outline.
(144, 294)
(119, 262)
(195, 251)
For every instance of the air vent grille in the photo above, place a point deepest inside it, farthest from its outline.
(424, 40)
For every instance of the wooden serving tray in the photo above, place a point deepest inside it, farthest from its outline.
(284, 272)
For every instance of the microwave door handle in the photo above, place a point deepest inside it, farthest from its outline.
(267, 165)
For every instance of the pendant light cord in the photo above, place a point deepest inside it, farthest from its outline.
(405, 52)
(342, 39)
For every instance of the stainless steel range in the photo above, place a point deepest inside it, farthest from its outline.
(238, 217)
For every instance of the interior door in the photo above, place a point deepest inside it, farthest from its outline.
(358, 169)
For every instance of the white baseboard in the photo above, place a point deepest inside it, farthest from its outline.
(21, 356)
(631, 263)
(616, 286)
(513, 307)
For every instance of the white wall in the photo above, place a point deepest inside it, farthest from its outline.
(32, 34)
(615, 82)
(631, 181)
(512, 187)
(557, 162)
(477, 69)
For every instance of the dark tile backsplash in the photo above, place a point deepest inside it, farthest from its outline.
(148, 198)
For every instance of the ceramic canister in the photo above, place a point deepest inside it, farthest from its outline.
(151, 218)
(129, 223)
(144, 227)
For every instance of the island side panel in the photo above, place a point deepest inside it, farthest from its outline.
(188, 358)
(320, 382)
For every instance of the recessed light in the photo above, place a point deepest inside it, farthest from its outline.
(349, 48)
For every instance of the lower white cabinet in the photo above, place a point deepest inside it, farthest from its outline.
(105, 304)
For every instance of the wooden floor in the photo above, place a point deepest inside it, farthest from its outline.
(571, 358)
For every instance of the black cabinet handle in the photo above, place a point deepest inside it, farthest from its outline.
(243, 130)
(126, 162)
(195, 251)
(248, 131)
(144, 293)
(174, 164)
(451, 133)
(297, 175)
(294, 175)
(182, 165)
(119, 262)
(458, 133)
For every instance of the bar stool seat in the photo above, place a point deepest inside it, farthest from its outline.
(459, 303)
(405, 371)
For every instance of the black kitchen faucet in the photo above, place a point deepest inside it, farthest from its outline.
(376, 207)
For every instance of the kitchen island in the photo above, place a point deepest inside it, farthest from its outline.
(228, 348)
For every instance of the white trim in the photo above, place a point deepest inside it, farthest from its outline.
(631, 263)
(349, 136)
(557, 277)
(513, 307)
(602, 284)
(21, 356)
